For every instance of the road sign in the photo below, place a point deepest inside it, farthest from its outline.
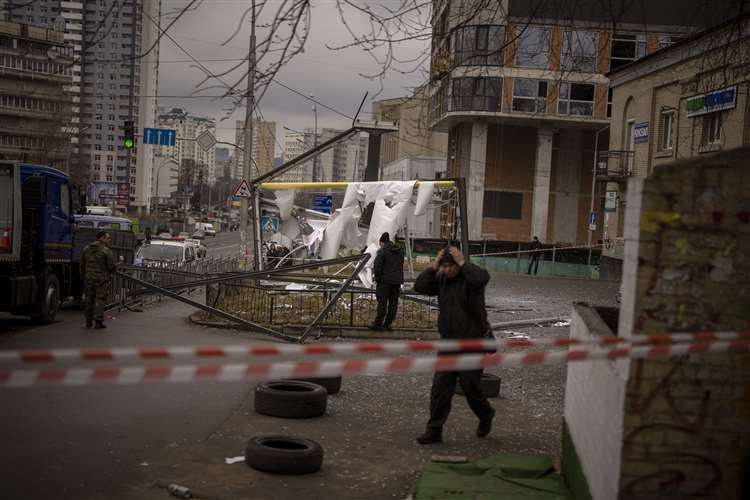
(160, 136)
(243, 190)
(323, 203)
(592, 218)
(592, 227)
(269, 224)
(206, 140)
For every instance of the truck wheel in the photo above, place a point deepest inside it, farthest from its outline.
(283, 455)
(290, 399)
(46, 310)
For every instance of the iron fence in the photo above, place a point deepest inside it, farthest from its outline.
(276, 306)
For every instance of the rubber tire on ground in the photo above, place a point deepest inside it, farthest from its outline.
(490, 386)
(47, 308)
(331, 384)
(290, 399)
(283, 455)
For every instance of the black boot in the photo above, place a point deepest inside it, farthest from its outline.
(431, 436)
(375, 326)
(485, 426)
(99, 325)
(89, 323)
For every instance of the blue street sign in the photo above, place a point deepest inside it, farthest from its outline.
(269, 224)
(592, 217)
(160, 136)
(323, 203)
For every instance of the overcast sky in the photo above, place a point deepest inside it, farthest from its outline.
(333, 77)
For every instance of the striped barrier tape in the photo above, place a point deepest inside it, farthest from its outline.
(331, 348)
(380, 366)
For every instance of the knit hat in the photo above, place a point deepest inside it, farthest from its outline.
(385, 238)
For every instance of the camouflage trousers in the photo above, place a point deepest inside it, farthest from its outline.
(96, 298)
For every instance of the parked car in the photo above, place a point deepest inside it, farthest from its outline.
(200, 249)
(199, 235)
(165, 253)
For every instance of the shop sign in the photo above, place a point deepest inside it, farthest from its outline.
(712, 101)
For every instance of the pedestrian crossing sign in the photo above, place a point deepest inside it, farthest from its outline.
(243, 190)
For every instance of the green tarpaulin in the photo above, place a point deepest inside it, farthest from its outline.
(501, 476)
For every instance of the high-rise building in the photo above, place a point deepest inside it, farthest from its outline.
(294, 145)
(264, 146)
(189, 128)
(35, 105)
(344, 161)
(116, 70)
(522, 89)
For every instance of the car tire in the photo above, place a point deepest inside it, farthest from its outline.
(46, 310)
(490, 386)
(290, 399)
(283, 455)
(332, 385)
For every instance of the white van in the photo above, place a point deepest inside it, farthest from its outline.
(165, 253)
(207, 228)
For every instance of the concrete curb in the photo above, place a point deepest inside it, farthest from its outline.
(330, 331)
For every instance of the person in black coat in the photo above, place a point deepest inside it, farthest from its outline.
(388, 271)
(459, 286)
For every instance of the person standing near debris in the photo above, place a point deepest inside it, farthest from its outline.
(534, 256)
(388, 271)
(459, 286)
(97, 267)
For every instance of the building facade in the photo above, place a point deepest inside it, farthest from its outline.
(116, 70)
(188, 129)
(685, 101)
(36, 69)
(264, 147)
(294, 145)
(524, 96)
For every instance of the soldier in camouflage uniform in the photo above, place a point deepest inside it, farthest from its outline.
(97, 267)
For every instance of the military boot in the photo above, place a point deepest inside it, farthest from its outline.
(431, 436)
(99, 325)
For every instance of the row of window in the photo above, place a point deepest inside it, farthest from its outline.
(529, 96)
(483, 46)
(26, 64)
(711, 130)
(30, 142)
(31, 104)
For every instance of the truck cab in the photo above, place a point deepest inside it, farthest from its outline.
(36, 239)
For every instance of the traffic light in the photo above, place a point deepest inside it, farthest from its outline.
(128, 140)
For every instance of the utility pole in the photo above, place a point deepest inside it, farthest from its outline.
(247, 158)
(593, 185)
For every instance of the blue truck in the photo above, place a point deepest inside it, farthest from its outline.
(40, 243)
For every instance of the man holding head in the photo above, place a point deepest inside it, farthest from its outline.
(97, 267)
(459, 286)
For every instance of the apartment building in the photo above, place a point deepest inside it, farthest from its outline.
(263, 152)
(116, 71)
(522, 91)
(188, 129)
(685, 101)
(36, 69)
(294, 145)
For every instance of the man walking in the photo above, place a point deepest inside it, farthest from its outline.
(97, 267)
(460, 287)
(536, 246)
(388, 271)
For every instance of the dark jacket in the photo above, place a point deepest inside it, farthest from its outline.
(389, 265)
(97, 263)
(462, 313)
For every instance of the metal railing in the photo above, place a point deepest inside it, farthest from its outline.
(615, 164)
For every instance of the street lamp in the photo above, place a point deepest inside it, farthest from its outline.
(316, 172)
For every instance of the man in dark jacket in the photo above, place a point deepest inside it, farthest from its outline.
(97, 267)
(459, 286)
(388, 271)
(535, 254)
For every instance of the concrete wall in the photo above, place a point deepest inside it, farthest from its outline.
(594, 401)
(687, 419)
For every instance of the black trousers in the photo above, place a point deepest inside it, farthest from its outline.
(441, 395)
(533, 261)
(387, 296)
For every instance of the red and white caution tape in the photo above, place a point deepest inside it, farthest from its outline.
(400, 347)
(387, 366)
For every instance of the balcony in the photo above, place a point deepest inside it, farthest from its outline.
(615, 165)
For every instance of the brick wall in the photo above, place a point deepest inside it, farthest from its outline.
(687, 419)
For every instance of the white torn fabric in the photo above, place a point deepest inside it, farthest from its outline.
(334, 232)
(370, 192)
(424, 196)
(311, 240)
(285, 202)
(290, 228)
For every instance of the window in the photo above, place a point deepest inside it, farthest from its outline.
(502, 205)
(479, 45)
(65, 199)
(666, 130)
(576, 99)
(711, 129)
(532, 47)
(529, 96)
(579, 51)
(476, 94)
(626, 48)
(609, 103)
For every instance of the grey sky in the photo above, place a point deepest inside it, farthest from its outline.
(333, 77)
